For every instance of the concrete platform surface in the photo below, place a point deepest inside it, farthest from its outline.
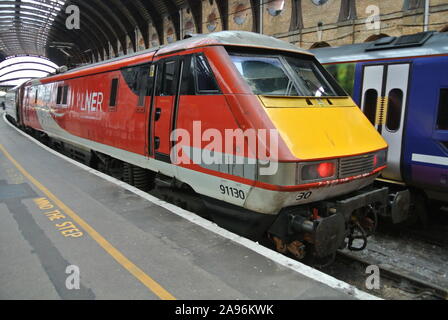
(59, 220)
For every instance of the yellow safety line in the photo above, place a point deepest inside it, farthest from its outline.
(110, 249)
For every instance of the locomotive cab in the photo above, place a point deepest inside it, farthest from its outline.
(328, 155)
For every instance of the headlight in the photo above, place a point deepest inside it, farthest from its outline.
(319, 171)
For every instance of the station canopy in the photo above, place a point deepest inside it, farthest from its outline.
(17, 70)
(108, 28)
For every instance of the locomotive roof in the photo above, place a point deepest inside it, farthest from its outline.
(224, 38)
(421, 44)
(232, 38)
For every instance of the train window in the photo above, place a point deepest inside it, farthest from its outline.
(130, 75)
(283, 75)
(168, 80)
(140, 81)
(188, 82)
(394, 110)
(144, 84)
(265, 75)
(205, 81)
(370, 103)
(312, 82)
(64, 95)
(442, 117)
(59, 96)
(113, 92)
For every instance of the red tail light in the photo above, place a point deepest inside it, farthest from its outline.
(326, 169)
(319, 171)
(380, 159)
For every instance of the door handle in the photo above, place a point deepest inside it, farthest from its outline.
(158, 114)
(156, 143)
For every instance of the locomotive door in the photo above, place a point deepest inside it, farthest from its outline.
(165, 104)
(384, 101)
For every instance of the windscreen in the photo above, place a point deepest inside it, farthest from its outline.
(283, 76)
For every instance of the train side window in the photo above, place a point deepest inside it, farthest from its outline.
(64, 95)
(59, 96)
(113, 93)
(442, 116)
(394, 109)
(130, 75)
(187, 84)
(144, 84)
(370, 103)
(168, 87)
(205, 81)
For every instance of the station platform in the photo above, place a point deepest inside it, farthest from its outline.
(59, 218)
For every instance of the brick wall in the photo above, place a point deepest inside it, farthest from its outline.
(325, 23)
(307, 23)
(211, 19)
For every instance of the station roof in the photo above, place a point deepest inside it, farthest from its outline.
(38, 27)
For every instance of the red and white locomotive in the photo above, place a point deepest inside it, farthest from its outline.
(160, 115)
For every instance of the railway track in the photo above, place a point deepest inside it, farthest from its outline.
(395, 284)
(410, 267)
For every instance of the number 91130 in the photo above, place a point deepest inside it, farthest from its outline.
(232, 192)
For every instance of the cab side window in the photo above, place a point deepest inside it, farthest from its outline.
(140, 80)
(205, 81)
(144, 84)
(168, 81)
(197, 76)
(188, 87)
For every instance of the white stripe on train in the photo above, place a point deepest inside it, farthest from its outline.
(441, 161)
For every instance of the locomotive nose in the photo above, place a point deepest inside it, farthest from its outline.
(322, 128)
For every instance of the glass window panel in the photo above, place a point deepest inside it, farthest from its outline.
(204, 76)
(265, 76)
(442, 116)
(394, 109)
(370, 104)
